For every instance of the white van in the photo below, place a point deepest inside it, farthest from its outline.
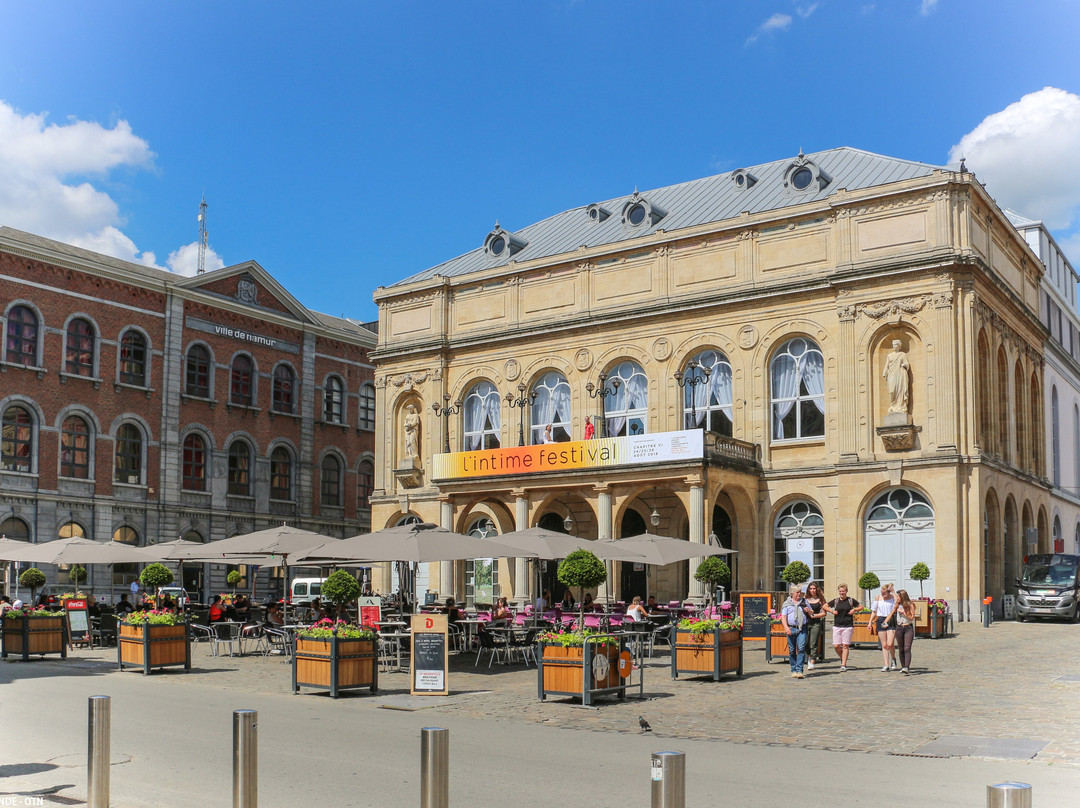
(305, 590)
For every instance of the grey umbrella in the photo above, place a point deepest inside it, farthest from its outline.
(12, 550)
(417, 543)
(549, 544)
(661, 550)
(84, 551)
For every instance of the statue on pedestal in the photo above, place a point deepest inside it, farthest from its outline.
(897, 379)
(412, 433)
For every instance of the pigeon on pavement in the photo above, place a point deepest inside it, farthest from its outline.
(643, 724)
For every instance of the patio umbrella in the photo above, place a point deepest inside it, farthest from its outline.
(662, 550)
(84, 551)
(12, 550)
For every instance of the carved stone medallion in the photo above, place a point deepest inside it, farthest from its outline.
(748, 336)
(583, 359)
(661, 349)
(512, 369)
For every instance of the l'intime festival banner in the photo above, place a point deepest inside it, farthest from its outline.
(662, 447)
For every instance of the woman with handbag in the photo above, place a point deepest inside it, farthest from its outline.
(885, 622)
(904, 614)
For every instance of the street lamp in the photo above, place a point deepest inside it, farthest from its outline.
(693, 378)
(602, 392)
(520, 403)
(446, 411)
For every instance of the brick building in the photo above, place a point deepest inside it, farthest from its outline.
(139, 406)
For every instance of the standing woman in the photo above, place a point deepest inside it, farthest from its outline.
(905, 628)
(815, 625)
(884, 608)
(793, 616)
(841, 608)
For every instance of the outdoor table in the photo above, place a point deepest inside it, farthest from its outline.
(508, 634)
(398, 638)
(469, 625)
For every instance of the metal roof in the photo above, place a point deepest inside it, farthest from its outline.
(711, 199)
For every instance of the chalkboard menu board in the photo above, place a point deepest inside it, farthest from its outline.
(755, 609)
(429, 659)
(78, 620)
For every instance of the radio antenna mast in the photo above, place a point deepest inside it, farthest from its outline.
(203, 237)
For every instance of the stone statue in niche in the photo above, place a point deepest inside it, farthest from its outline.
(897, 379)
(412, 433)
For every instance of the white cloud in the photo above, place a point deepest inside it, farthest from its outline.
(46, 181)
(927, 6)
(806, 11)
(185, 260)
(777, 22)
(1026, 155)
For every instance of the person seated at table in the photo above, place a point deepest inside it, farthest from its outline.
(273, 615)
(167, 604)
(543, 601)
(651, 605)
(317, 612)
(453, 613)
(502, 610)
(242, 605)
(568, 600)
(5, 605)
(124, 605)
(93, 608)
(587, 601)
(217, 610)
(635, 612)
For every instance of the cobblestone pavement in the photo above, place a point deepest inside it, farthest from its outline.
(1010, 681)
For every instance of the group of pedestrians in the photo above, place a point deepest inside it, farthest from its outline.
(803, 619)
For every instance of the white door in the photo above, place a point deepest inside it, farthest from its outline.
(900, 534)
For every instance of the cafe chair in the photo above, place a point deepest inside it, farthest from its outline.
(103, 629)
(224, 634)
(200, 632)
(490, 643)
(277, 641)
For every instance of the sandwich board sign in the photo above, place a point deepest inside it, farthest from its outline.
(429, 655)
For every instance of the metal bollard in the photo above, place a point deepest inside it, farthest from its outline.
(434, 767)
(245, 760)
(98, 752)
(668, 780)
(1008, 795)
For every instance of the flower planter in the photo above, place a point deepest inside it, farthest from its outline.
(938, 621)
(712, 653)
(861, 634)
(24, 636)
(335, 664)
(569, 671)
(776, 647)
(149, 646)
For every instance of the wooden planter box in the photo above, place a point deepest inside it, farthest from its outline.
(335, 664)
(24, 636)
(937, 625)
(861, 635)
(714, 654)
(776, 647)
(150, 646)
(570, 671)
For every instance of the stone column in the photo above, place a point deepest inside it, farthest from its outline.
(446, 568)
(697, 534)
(523, 584)
(603, 499)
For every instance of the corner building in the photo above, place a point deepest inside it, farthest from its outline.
(870, 327)
(142, 406)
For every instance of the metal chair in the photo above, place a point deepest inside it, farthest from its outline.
(224, 634)
(488, 642)
(103, 629)
(277, 641)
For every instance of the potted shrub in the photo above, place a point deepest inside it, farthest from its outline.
(711, 647)
(32, 578)
(920, 572)
(77, 574)
(233, 579)
(868, 583)
(335, 656)
(585, 571)
(32, 630)
(153, 639)
(795, 573)
(713, 572)
(580, 663)
(153, 577)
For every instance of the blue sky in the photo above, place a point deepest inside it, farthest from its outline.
(346, 145)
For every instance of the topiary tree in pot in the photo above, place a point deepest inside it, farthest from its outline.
(713, 572)
(77, 574)
(868, 583)
(795, 573)
(583, 570)
(233, 580)
(154, 576)
(341, 589)
(32, 578)
(920, 572)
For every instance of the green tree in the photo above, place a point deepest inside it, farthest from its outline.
(795, 573)
(868, 583)
(920, 572)
(341, 589)
(77, 574)
(713, 572)
(583, 570)
(154, 576)
(233, 579)
(32, 578)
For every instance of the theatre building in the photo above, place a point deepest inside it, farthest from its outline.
(834, 357)
(142, 406)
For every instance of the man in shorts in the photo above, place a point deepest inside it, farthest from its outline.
(841, 608)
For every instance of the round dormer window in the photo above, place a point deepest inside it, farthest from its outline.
(497, 245)
(594, 214)
(801, 178)
(636, 215)
(740, 180)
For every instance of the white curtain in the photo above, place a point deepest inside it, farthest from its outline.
(720, 382)
(474, 421)
(813, 376)
(702, 395)
(543, 411)
(785, 387)
(492, 409)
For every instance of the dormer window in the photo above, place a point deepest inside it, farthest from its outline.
(805, 175)
(596, 213)
(502, 243)
(639, 212)
(743, 179)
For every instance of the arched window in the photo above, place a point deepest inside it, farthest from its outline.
(198, 372)
(799, 535)
(626, 411)
(17, 442)
(126, 535)
(15, 529)
(79, 349)
(1059, 538)
(71, 530)
(1076, 448)
(482, 411)
(133, 359)
(281, 474)
(482, 574)
(798, 391)
(366, 417)
(1037, 427)
(125, 574)
(708, 404)
(1018, 410)
(551, 406)
(334, 401)
(22, 336)
(1055, 437)
(984, 384)
(284, 395)
(331, 481)
(129, 445)
(1001, 439)
(75, 448)
(239, 469)
(194, 463)
(242, 381)
(193, 536)
(365, 484)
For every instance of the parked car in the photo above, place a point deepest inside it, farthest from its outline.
(1049, 586)
(177, 593)
(305, 590)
